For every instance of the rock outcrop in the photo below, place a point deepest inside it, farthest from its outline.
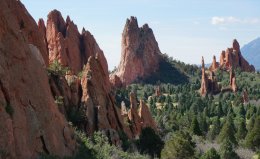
(146, 117)
(140, 54)
(232, 80)
(232, 57)
(68, 46)
(30, 120)
(133, 116)
(209, 83)
(98, 102)
(215, 65)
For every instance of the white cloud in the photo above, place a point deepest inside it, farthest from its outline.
(233, 20)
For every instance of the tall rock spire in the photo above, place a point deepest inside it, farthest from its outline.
(140, 53)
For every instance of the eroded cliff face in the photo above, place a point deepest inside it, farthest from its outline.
(140, 54)
(30, 120)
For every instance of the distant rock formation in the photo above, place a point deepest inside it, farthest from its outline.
(232, 80)
(232, 57)
(31, 123)
(215, 65)
(140, 54)
(209, 83)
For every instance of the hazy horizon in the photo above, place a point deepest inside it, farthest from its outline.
(185, 30)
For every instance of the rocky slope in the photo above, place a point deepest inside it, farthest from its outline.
(251, 52)
(30, 121)
(140, 54)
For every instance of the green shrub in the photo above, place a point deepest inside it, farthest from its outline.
(57, 69)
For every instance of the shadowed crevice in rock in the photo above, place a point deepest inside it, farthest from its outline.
(44, 145)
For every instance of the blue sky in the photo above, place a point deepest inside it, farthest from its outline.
(186, 30)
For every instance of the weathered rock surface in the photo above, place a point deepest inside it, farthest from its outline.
(140, 54)
(30, 121)
(209, 83)
(146, 117)
(233, 58)
(97, 101)
(133, 116)
(232, 80)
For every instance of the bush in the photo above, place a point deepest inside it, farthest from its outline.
(57, 69)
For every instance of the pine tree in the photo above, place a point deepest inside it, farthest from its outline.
(228, 131)
(179, 146)
(219, 111)
(253, 136)
(241, 130)
(251, 123)
(195, 127)
(215, 129)
(241, 111)
(227, 150)
(210, 154)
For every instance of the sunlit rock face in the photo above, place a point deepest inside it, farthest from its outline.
(140, 54)
(31, 123)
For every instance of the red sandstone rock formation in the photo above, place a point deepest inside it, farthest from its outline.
(140, 54)
(146, 117)
(115, 81)
(97, 101)
(233, 58)
(204, 81)
(232, 80)
(134, 117)
(214, 66)
(209, 83)
(35, 125)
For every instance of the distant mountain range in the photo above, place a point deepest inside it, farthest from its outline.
(251, 52)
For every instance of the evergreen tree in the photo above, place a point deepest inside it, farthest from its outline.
(251, 123)
(227, 150)
(219, 111)
(210, 154)
(179, 146)
(215, 129)
(150, 143)
(228, 131)
(241, 130)
(253, 136)
(241, 111)
(195, 127)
